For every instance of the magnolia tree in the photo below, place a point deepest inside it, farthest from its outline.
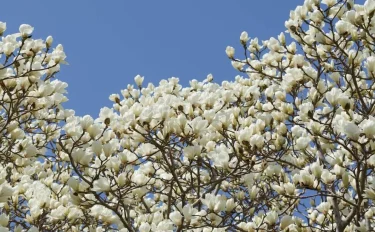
(288, 146)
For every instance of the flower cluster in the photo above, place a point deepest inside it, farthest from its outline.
(287, 146)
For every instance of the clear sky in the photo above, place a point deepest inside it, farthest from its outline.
(109, 42)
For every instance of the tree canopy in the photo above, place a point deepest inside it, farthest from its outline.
(287, 145)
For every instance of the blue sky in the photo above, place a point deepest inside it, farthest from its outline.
(109, 42)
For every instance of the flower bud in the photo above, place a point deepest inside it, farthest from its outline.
(271, 217)
(230, 52)
(345, 179)
(254, 192)
(285, 222)
(281, 38)
(209, 77)
(3, 27)
(369, 193)
(4, 219)
(230, 205)
(138, 80)
(49, 41)
(244, 38)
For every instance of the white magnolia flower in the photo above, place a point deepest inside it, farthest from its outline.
(343, 27)
(3, 27)
(102, 185)
(188, 212)
(4, 219)
(230, 51)
(370, 193)
(285, 222)
(145, 227)
(316, 169)
(271, 217)
(329, 3)
(257, 140)
(139, 178)
(302, 142)
(368, 126)
(369, 6)
(351, 130)
(176, 218)
(230, 205)
(6, 192)
(289, 188)
(138, 80)
(49, 41)
(244, 37)
(327, 177)
(209, 77)
(26, 30)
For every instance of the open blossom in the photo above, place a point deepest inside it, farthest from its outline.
(271, 217)
(302, 142)
(343, 27)
(327, 177)
(189, 212)
(145, 227)
(351, 130)
(139, 178)
(368, 127)
(191, 151)
(285, 222)
(5, 192)
(58, 54)
(26, 30)
(176, 218)
(369, 6)
(257, 140)
(138, 80)
(370, 65)
(102, 185)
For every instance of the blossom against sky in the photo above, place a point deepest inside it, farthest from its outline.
(109, 42)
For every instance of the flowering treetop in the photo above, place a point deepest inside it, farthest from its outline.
(288, 146)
